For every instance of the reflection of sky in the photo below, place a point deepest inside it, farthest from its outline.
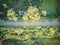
(29, 23)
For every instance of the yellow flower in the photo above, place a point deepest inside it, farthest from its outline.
(10, 18)
(5, 6)
(44, 12)
(15, 18)
(25, 18)
(32, 20)
(32, 9)
(10, 12)
(11, 15)
(32, 14)
(35, 9)
(36, 18)
(52, 30)
(25, 37)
